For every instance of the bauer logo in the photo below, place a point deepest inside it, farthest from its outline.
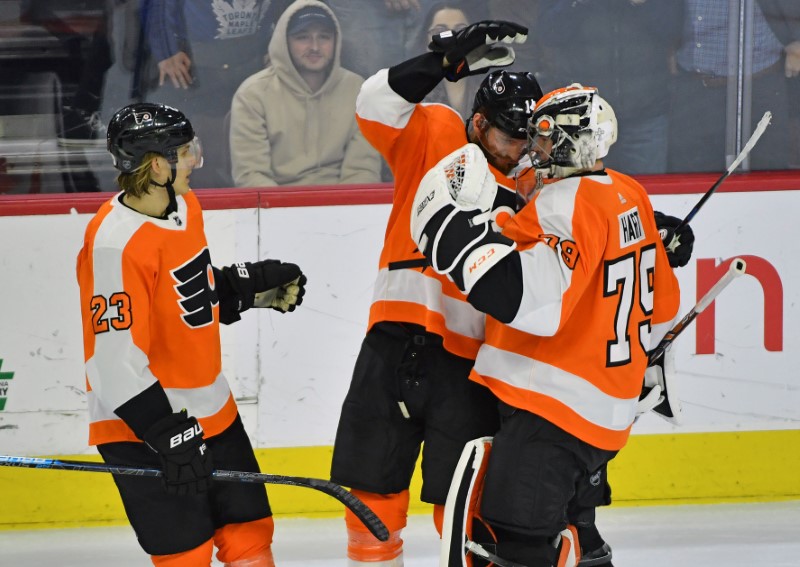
(5, 380)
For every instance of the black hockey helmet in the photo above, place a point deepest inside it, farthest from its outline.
(507, 100)
(147, 127)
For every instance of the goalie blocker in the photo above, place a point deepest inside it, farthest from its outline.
(467, 540)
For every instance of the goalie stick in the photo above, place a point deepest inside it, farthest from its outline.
(669, 238)
(736, 269)
(480, 551)
(361, 510)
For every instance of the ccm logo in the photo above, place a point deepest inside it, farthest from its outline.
(187, 435)
(480, 261)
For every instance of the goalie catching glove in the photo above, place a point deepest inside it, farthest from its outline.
(268, 284)
(185, 458)
(451, 218)
(478, 47)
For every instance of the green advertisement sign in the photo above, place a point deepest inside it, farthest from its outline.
(5, 379)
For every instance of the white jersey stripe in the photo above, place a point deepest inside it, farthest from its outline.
(198, 402)
(411, 286)
(578, 394)
(377, 102)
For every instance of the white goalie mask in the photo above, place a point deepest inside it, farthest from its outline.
(571, 128)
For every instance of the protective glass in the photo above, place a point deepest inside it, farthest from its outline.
(194, 152)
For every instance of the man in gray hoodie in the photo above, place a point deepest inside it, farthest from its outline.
(293, 123)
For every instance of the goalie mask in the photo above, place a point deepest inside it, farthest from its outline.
(571, 128)
(146, 127)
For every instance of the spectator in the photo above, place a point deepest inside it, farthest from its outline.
(151, 306)
(636, 80)
(85, 38)
(204, 50)
(450, 15)
(783, 17)
(706, 65)
(378, 33)
(293, 123)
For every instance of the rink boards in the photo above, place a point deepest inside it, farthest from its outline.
(739, 386)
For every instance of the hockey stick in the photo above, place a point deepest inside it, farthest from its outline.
(361, 510)
(736, 269)
(760, 127)
(480, 551)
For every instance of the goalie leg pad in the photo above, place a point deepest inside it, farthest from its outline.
(569, 549)
(462, 522)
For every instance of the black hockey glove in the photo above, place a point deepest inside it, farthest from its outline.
(284, 298)
(278, 285)
(679, 246)
(478, 47)
(185, 458)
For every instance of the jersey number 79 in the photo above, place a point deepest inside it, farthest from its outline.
(622, 276)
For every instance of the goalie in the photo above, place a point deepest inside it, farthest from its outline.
(579, 287)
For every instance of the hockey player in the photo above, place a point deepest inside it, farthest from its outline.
(579, 289)
(151, 304)
(410, 383)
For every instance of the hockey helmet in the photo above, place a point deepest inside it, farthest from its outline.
(579, 122)
(507, 99)
(145, 127)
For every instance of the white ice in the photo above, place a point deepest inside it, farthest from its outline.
(720, 535)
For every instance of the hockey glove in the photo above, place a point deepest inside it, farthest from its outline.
(185, 458)
(451, 217)
(659, 393)
(272, 277)
(478, 47)
(284, 298)
(679, 245)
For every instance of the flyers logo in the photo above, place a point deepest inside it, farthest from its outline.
(498, 86)
(142, 117)
(198, 291)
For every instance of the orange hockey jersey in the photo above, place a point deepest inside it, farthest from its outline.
(597, 293)
(413, 138)
(150, 313)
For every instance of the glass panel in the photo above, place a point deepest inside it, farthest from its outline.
(688, 79)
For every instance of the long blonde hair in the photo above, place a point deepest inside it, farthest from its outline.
(137, 182)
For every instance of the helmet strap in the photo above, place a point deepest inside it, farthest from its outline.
(172, 205)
